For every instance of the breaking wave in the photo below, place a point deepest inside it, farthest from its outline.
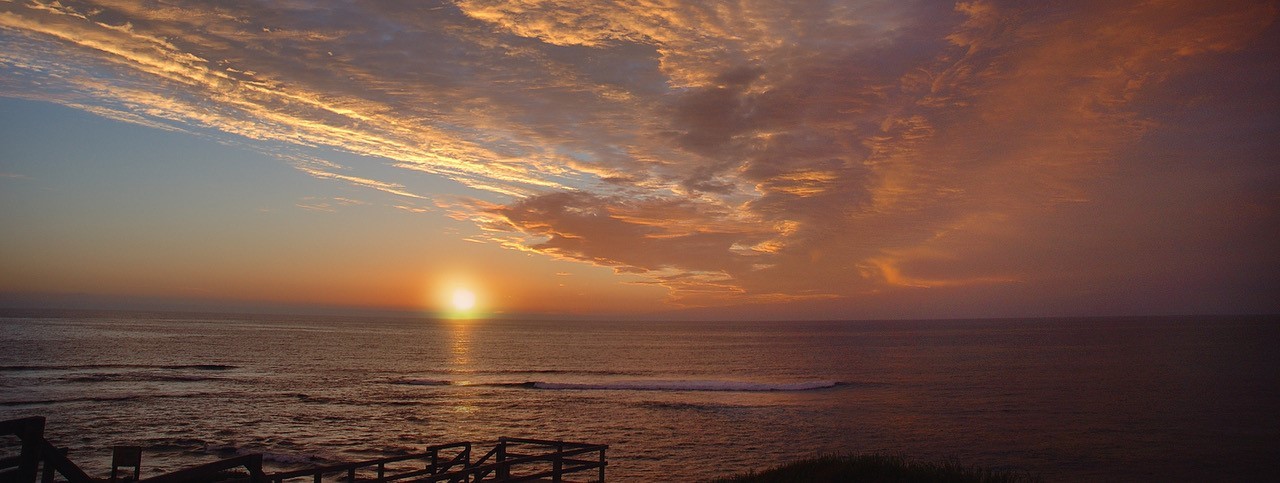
(637, 385)
(729, 386)
(108, 398)
(133, 377)
(79, 367)
(424, 382)
(289, 459)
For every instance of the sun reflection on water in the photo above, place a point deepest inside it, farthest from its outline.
(460, 360)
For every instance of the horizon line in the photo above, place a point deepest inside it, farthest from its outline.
(16, 302)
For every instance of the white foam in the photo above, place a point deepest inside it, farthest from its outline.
(689, 385)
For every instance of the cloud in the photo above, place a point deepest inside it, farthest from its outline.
(730, 151)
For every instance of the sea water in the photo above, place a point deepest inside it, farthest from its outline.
(1113, 399)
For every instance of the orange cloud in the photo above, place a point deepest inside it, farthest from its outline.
(729, 151)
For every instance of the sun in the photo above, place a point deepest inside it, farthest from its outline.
(463, 300)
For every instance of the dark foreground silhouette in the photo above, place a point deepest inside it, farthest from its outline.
(879, 469)
(510, 460)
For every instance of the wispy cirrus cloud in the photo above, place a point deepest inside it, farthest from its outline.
(215, 67)
(730, 151)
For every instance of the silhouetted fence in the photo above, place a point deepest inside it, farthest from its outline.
(37, 452)
(436, 461)
(510, 460)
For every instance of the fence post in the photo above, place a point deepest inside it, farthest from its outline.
(557, 463)
(31, 432)
(126, 456)
(51, 470)
(602, 463)
(254, 466)
(504, 471)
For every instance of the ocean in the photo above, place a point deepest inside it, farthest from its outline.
(1073, 399)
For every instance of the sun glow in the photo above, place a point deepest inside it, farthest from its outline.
(463, 300)
(457, 295)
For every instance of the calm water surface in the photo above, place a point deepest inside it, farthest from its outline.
(1118, 399)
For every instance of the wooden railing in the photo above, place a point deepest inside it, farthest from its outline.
(536, 460)
(510, 460)
(565, 459)
(436, 460)
(36, 451)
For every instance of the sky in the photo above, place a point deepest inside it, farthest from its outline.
(644, 158)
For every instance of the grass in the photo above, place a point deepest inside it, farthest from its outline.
(879, 469)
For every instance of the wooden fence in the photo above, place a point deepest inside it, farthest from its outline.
(510, 460)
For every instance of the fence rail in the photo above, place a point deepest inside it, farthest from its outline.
(37, 452)
(510, 460)
(435, 461)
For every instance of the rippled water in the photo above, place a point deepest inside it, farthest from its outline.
(1073, 399)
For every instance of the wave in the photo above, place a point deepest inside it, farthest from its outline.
(582, 372)
(688, 385)
(45, 402)
(79, 367)
(688, 406)
(411, 381)
(293, 459)
(117, 377)
(126, 397)
(637, 385)
(174, 445)
(523, 372)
